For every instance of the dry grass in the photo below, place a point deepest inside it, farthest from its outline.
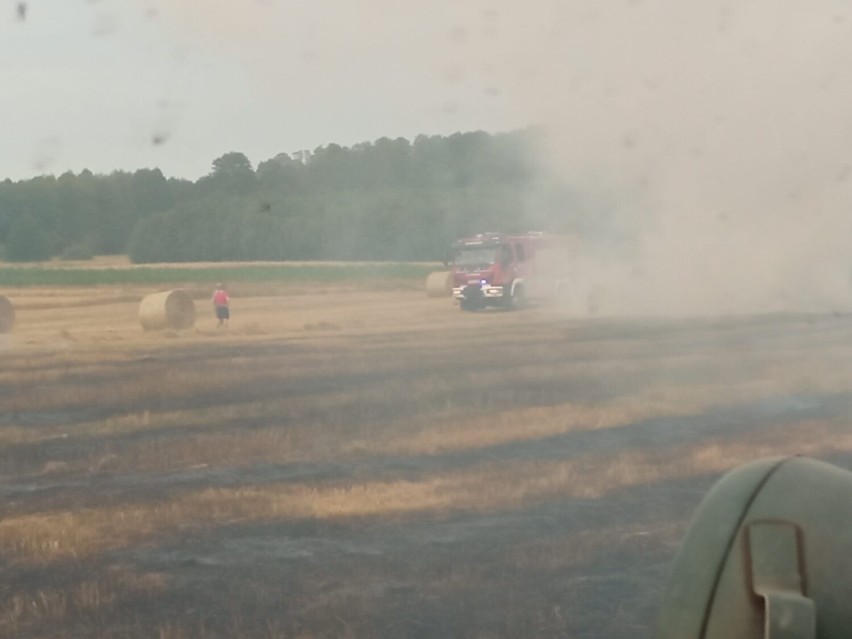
(82, 599)
(320, 428)
(486, 487)
(406, 412)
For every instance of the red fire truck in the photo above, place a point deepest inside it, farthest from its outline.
(494, 269)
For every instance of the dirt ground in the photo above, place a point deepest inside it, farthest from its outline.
(368, 463)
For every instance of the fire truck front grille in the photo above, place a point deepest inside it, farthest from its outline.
(472, 291)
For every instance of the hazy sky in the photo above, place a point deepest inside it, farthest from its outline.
(94, 84)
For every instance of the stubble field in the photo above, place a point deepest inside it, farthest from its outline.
(361, 461)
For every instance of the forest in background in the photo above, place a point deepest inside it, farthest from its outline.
(382, 200)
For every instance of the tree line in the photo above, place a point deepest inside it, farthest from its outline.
(382, 200)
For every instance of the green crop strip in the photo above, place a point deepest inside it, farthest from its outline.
(285, 273)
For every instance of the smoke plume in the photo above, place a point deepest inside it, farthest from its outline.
(720, 135)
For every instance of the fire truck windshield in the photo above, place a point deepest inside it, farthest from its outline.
(475, 257)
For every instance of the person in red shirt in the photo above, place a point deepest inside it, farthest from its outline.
(222, 305)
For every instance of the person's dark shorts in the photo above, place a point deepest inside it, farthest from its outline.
(223, 312)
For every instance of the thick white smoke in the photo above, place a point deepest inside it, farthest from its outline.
(722, 136)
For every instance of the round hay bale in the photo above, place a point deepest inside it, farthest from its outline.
(7, 314)
(168, 309)
(439, 284)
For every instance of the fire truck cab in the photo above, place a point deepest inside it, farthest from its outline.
(494, 269)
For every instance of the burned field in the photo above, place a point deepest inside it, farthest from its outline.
(351, 463)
